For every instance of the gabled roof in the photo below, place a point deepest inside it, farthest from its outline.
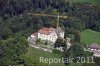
(94, 46)
(47, 31)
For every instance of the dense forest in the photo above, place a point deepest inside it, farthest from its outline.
(14, 21)
(14, 18)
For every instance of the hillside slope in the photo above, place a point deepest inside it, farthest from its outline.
(33, 57)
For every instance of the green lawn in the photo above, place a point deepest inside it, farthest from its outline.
(33, 55)
(89, 1)
(90, 36)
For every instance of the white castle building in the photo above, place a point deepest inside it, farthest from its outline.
(48, 34)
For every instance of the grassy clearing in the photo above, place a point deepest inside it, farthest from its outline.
(90, 36)
(33, 55)
(89, 1)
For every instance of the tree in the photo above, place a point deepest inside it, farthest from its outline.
(59, 42)
(75, 51)
(38, 41)
(5, 32)
(77, 36)
(46, 43)
(13, 49)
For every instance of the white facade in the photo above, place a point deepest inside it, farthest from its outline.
(51, 37)
(49, 34)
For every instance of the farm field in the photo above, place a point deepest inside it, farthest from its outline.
(90, 36)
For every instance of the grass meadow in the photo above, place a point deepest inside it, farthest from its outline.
(90, 36)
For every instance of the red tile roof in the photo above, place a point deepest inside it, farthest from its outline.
(46, 30)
